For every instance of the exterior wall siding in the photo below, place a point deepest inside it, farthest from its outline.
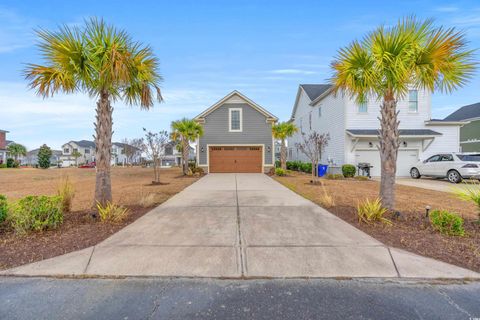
(369, 119)
(470, 137)
(332, 121)
(255, 130)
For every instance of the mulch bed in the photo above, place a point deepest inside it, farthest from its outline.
(78, 231)
(415, 234)
(412, 231)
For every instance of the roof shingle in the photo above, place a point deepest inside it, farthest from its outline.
(470, 111)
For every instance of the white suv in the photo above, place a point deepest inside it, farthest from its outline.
(453, 166)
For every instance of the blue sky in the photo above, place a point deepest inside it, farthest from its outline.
(206, 49)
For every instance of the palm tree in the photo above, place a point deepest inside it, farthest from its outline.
(108, 65)
(390, 61)
(16, 150)
(185, 131)
(282, 131)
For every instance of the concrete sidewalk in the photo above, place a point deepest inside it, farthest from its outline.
(241, 226)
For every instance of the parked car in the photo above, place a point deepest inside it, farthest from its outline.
(88, 165)
(453, 166)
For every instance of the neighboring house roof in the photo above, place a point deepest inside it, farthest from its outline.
(7, 142)
(4, 131)
(403, 132)
(470, 111)
(122, 145)
(84, 143)
(34, 152)
(314, 92)
(219, 103)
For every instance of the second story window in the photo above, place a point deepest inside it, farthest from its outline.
(66, 150)
(75, 150)
(168, 151)
(235, 119)
(363, 107)
(87, 151)
(413, 101)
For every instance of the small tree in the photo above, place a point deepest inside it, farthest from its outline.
(44, 154)
(282, 131)
(76, 154)
(312, 146)
(153, 146)
(16, 149)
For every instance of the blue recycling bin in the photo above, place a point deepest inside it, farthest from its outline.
(322, 170)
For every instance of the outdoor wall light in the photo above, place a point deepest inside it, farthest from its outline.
(370, 144)
(404, 144)
(268, 149)
(201, 149)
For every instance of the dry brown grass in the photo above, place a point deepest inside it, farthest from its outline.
(350, 192)
(412, 231)
(129, 184)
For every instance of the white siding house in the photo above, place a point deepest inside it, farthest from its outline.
(353, 128)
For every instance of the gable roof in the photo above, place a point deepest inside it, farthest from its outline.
(123, 145)
(84, 143)
(219, 103)
(470, 111)
(314, 92)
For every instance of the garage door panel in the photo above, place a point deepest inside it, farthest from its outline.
(405, 161)
(242, 159)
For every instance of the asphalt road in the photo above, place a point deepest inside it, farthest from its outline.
(47, 298)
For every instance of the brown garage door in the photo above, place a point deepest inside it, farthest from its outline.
(235, 159)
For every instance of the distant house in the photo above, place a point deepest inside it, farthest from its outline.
(32, 157)
(3, 146)
(120, 154)
(86, 149)
(123, 153)
(172, 157)
(470, 132)
(278, 150)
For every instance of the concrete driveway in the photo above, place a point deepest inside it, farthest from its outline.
(431, 184)
(241, 226)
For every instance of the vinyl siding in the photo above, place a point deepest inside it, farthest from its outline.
(448, 142)
(332, 121)
(255, 130)
(369, 120)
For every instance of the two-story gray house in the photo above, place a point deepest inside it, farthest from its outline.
(237, 136)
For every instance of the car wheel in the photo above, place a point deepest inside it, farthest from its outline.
(454, 177)
(415, 174)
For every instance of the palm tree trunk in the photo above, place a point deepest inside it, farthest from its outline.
(389, 143)
(185, 153)
(283, 156)
(103, 146)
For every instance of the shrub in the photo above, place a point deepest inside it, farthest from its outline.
(10, 163)
(446, 222)
(3, 208)
(371, 211)
(277, 164)
(362, 178)
(111, 212)
(66, 191)
(3, 165)
(36, 213)
(279, 172)
(470, 192)
(348, 170)
(306, 167)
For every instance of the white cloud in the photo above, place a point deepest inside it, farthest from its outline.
(446, 9)
(15, 31)
(292, 71)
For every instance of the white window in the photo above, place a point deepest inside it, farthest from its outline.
(87, 151)
(363, 107)
(66, 150)
(235, 119)
(413, 101)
